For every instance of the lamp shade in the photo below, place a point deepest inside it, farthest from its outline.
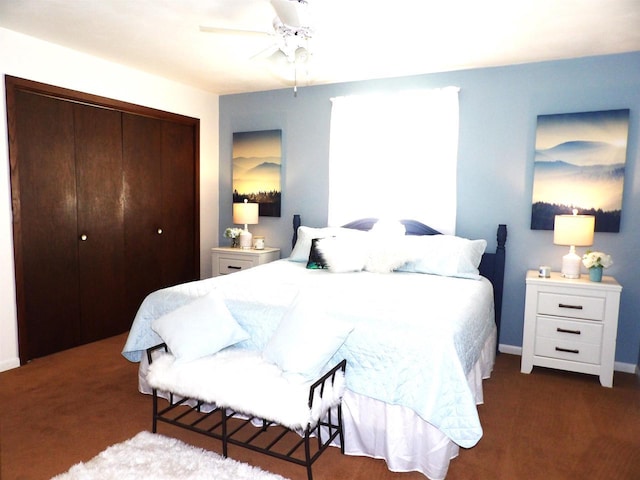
(576, 230)
(245, 213)
(573, 230)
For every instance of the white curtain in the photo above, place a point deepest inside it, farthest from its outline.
(394, 156)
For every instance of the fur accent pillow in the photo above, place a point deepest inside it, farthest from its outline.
(344, 254)
(302, 248)
(385, 245)
(316, 259)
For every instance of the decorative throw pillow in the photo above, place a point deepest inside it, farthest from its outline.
(344, 254)
(306, 339)
(445, 255)
(386, 247)
(316, 260)
(302, 248)
(199, 328)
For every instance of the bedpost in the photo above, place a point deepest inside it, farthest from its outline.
(296, 224)
(498, 281)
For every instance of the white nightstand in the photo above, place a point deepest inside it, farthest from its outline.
(571, 324)
(226, 260)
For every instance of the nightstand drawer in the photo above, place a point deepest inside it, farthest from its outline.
(567, 350)
(231, 265)
(567, 330)
(571, 306)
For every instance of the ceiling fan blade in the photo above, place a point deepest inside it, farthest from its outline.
(293, 13)
(235, 31)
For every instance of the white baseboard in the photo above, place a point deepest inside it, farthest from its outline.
(9, 364)
(617, 366)
(510, 349)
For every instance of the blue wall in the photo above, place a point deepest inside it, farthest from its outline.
(498, 111)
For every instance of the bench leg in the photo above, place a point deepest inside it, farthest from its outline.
(341, 428)
(154, 427)
(223, 411)
(307, 453)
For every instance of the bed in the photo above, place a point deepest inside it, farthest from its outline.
(419, 341)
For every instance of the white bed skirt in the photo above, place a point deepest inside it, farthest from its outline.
(395, 433)
(399, 436)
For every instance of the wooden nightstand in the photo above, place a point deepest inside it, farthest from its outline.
(226, 260)
(571, 324)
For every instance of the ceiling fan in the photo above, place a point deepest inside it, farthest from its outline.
(291, 31)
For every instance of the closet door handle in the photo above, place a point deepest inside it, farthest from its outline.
(159, 231)
(83, 238)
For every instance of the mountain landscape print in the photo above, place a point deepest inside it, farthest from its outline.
(257, 163)
(579, 164)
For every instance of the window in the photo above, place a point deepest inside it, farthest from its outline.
(395, 156)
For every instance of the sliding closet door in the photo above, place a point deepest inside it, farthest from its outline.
(178, 203)
(142, 156)
(160, 205)
(98, 153)
(47, 246)
(105, 211)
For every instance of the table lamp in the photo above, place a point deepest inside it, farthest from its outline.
(245, 213)
(575, 231)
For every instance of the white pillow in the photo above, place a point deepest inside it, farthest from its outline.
(199, 328)
(445, 255)
(301, 249)
(306, 339)
(346, 253)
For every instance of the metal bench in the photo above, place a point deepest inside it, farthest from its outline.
(224, 399)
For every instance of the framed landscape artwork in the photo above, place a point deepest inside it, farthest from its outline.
(257, 164)
(579, 164)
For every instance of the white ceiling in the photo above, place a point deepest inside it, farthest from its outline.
(353, 39)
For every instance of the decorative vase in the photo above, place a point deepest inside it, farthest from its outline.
(595, 274)
(235, 242)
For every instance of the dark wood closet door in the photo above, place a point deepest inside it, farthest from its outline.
(143, 228)
(178, 203)
(100, 192)
(48, 250)
(105, 211)
(160, 206)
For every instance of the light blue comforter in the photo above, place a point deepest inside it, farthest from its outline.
(415, 340)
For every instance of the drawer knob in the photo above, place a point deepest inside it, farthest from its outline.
(564, 330)
(574, 307)
(233, 267)
(567, 350)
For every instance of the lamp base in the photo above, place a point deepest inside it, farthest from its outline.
(571, 264)
(246, 239)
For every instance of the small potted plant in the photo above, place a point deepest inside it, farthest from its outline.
(234, 235)
(595, 262)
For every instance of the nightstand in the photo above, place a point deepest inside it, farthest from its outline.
(226, 260)
(571, 324)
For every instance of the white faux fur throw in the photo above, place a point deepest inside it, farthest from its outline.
(243, 381)
(149, 456)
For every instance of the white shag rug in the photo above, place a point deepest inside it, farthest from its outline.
(152, 456)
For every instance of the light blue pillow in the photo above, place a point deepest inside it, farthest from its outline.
(306, 339)
(200, 328)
